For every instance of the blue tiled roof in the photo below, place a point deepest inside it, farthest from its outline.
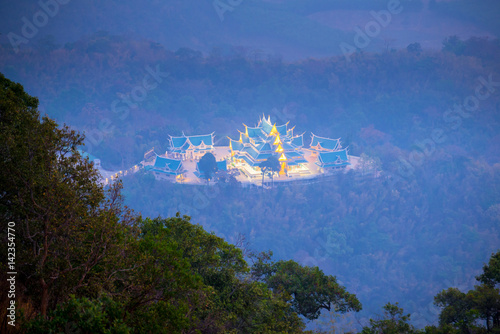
(236, 145)
(282, 129)
(166, 163)
(161, 162)
(326, 143)
(244, 138)
(197, 140)
(329, 145)
(251, 151)
(266, 126)
(298, 141)
(333, 158)
(264, 147)
(177, 142)
(263, 156)
(254, 132)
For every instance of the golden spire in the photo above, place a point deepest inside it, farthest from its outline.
(274, 131)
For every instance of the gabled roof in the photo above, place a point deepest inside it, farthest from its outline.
(282, 129)
(266, 124)
(166, 163)
(235, 145)
(325, 143)
(333, 158)
(251, 151)
(288, 147)
(263, 156)
(177, 142)
(298, 141)
(264, 147)
(208, 140)
(244, 138)
(255, 132)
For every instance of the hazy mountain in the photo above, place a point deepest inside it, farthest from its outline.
(293, 29)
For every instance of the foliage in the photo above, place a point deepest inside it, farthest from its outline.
(415, 48)
(456, 309)
(68, 230)
(208, 166)
(462, 310)
(394, 322)
(311, 290)
(81, 315)
(270, 166)
(491, 271)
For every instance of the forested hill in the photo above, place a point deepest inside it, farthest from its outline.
(377, 103)
(293, 28)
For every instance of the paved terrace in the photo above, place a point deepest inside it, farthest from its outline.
(250, 176)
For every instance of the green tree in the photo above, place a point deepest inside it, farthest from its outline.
(82, 315)
(414, 48)
(454, 45)
(462, 310)
(310, 289)
(67, 231)
(274, 166)
(456, 309)
(202, 283)
(271, 165)
(394, 322)
(491, 271)
(485, 299)
(208, 166)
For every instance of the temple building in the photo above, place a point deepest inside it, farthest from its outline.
(190, 147)
(329, 153)
(257, 144)
(166, 168)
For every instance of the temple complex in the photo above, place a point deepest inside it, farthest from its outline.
(245, 155)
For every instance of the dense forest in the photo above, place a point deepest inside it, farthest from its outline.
(379, 104)
(85, 263)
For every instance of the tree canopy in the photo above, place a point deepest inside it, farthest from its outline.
(208, 166)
